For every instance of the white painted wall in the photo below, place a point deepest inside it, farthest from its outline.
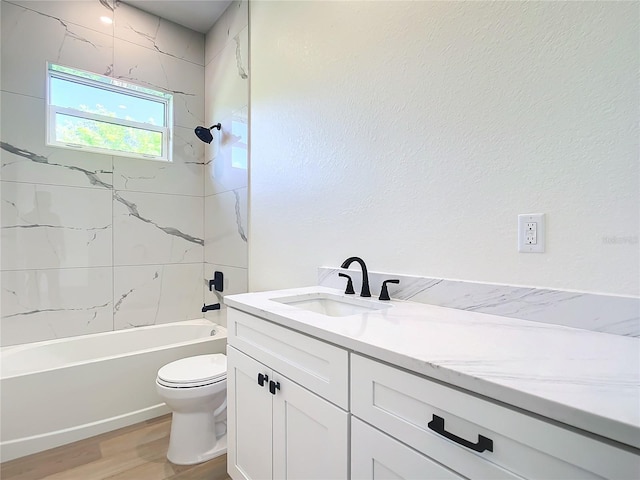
(413, 133)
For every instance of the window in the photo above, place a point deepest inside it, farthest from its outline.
(106, 115)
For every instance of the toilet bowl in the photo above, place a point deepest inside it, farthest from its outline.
(195, 389)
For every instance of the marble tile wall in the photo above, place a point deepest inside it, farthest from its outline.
(611, 314)
(92, 242)
(226, 176)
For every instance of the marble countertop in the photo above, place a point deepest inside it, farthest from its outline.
(585, 379)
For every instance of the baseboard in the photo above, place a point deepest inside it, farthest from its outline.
(29, 445)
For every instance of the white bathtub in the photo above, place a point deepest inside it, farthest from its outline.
(60, 391)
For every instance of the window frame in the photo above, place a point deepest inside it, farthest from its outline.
(53, 110)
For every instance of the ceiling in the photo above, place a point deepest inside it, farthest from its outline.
(196, 15)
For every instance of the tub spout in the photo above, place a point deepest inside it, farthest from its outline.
(213, 306)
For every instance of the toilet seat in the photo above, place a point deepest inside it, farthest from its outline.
(191, 372)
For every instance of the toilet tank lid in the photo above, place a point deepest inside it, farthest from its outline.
(195, 369)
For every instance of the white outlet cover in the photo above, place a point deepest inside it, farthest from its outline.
(523, 220)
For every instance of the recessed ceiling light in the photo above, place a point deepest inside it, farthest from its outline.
(106, 20)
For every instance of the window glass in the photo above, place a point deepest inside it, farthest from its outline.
(87, 98)
(111, 136)
(103, 114)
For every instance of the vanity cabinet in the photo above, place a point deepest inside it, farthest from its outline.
(299, 407)
(277, 428)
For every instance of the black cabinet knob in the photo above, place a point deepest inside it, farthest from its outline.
(262, 379)
(273, 386)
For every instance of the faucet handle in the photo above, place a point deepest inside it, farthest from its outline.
(349, 290)
(384, 293)
(217, 282)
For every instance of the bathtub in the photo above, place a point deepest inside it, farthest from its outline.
(59, 391)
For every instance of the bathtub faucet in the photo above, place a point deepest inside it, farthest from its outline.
(213, 306)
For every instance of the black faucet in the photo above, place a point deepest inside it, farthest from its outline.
(365, 276)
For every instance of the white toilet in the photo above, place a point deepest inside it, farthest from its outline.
(195, 389)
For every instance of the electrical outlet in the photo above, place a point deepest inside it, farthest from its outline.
(531, 233)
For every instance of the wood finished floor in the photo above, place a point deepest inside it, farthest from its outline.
(137, 452)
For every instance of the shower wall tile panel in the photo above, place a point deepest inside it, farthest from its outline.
(154, 294)
(158, 34)
(59, 205)
(154, 228)
(229, 73)
(611, 314)
(227, 156)
(46, 226)
(78, 12)
(54, 303)
(226, 228)
(234, 19)
(227, 168)
(182, 176)
(24, 54)
(26, 158)
(155, 70)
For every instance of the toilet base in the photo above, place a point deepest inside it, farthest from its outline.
(193, 437)
(220, 448)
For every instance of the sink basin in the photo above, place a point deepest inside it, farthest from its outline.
(331, 305)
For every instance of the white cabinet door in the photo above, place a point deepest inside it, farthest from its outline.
(249, 415)
(376, 456)
(280, 430)
(310, 435)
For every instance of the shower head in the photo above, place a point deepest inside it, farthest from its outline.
(204, 133)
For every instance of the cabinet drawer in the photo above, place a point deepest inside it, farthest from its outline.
(404, 404)
(316, 365)
(376, 456)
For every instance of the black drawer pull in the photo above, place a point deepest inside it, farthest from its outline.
(484, 443)
(262, 378)
(273, 386)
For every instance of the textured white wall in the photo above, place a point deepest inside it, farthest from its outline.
(412, 134)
